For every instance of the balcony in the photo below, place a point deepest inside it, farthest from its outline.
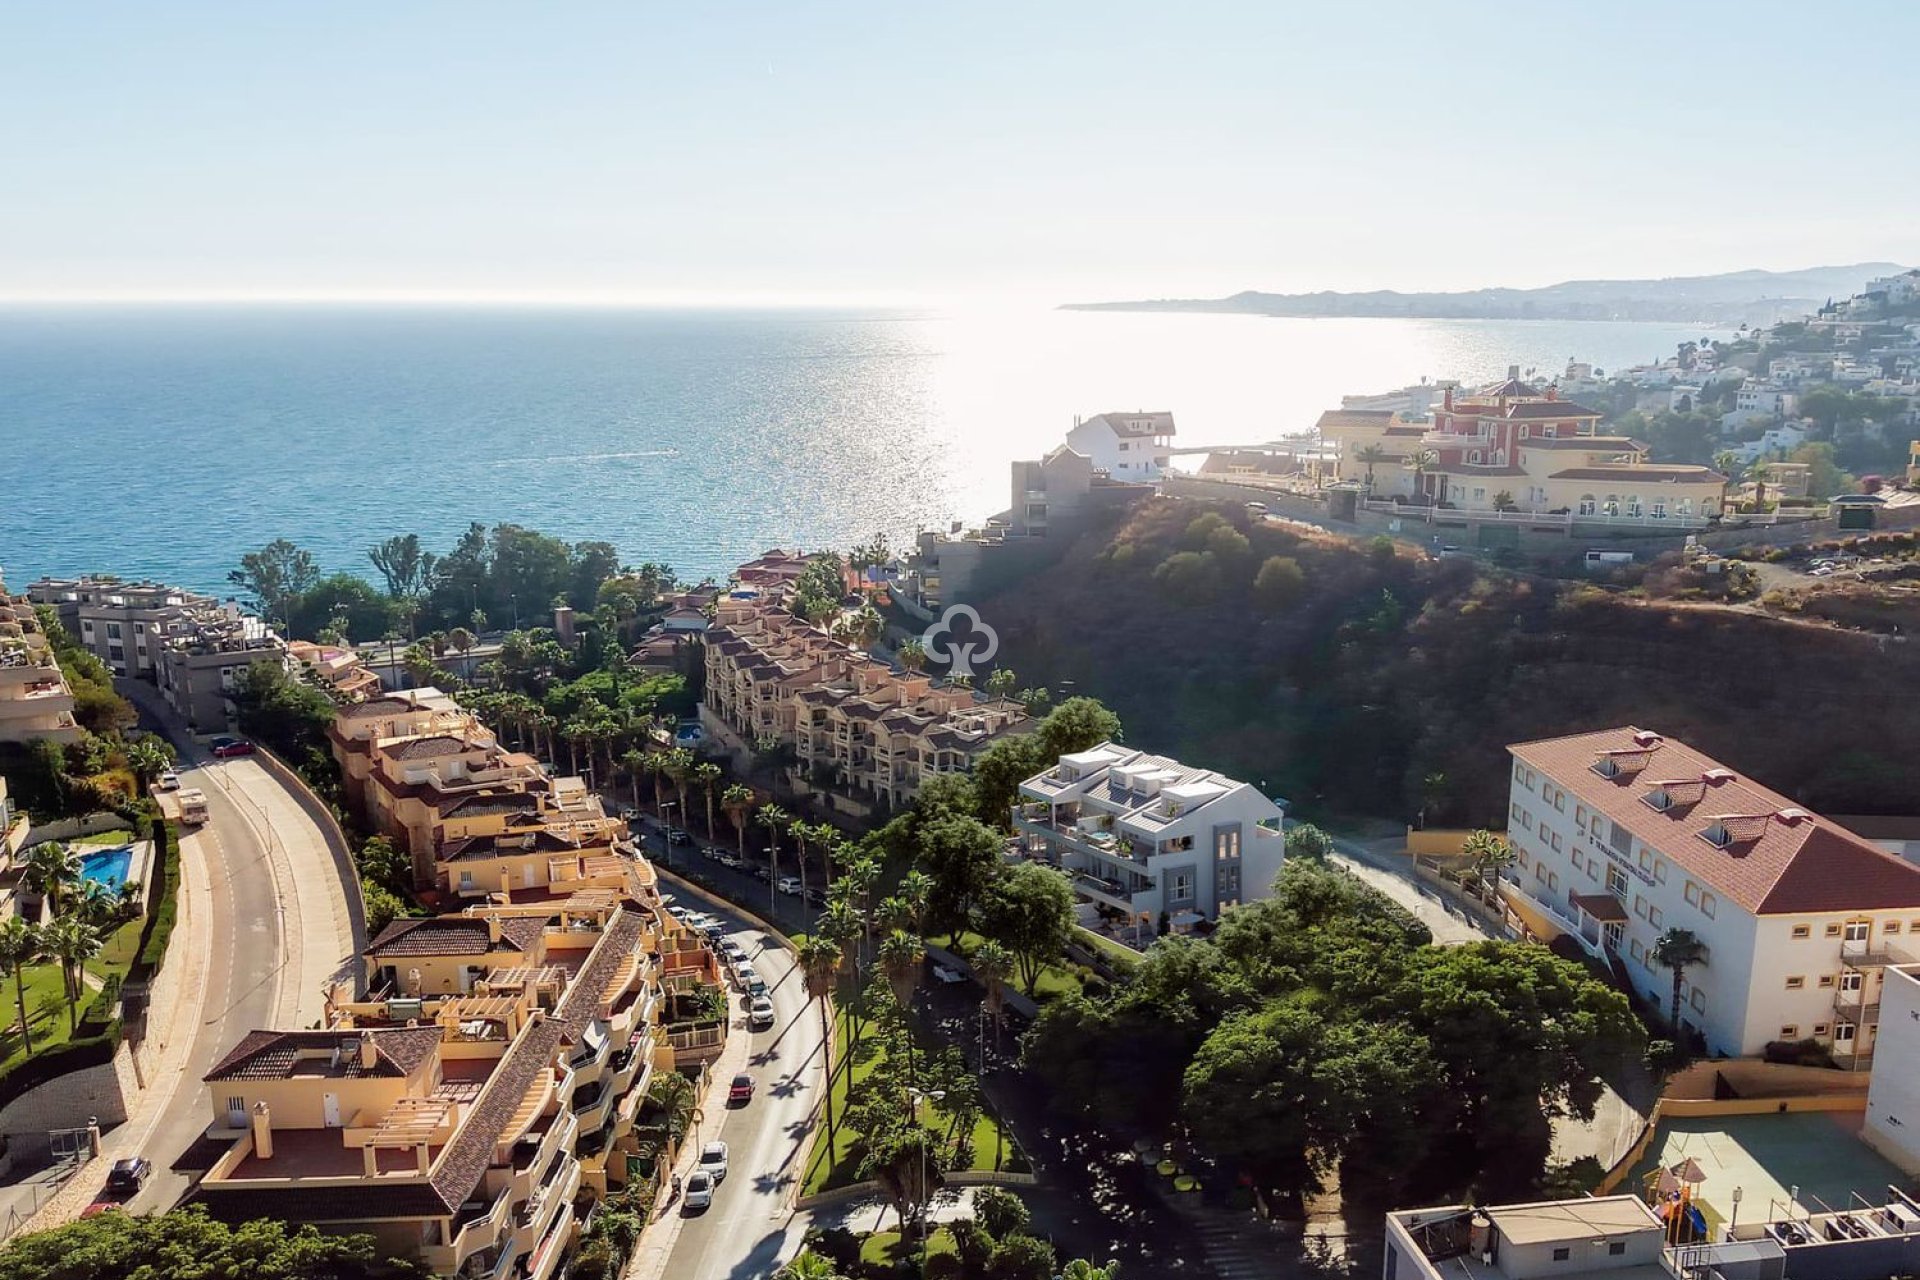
(553, 1195)
(1864, 954)
(478, 1227)
(1113, 893)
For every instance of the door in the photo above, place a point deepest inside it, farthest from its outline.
(330, 1110)
(526, 875)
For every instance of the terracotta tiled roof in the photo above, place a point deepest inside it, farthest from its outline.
(375, 707)
(1783, 861)
(440, 744)
(487, 802)
(1529, 410)
(271, 1055)
(1645, 475)
(1622, 444)
(1356, 418)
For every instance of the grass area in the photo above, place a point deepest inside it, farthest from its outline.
(1058, 979)
(46, 1014)
(103, 840)
(122, 945)
(885, 1248)
(1121, 957)
(836, 1162)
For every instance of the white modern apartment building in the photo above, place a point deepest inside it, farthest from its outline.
(1145, 835)
(1893, 1099)
(1624, 834)
(124, 624)
(1127, 446)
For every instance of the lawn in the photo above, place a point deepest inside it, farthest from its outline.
(102, 840)
(1058, 979)
(885, 1248)
(46, 1013)
(1119, 955)
(117, 956)
(836, 1163)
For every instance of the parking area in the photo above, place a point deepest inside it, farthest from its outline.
(1814, 1159)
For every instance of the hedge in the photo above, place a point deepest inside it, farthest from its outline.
(163, 904)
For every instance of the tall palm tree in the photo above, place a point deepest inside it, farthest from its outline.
(819, 958)
(772, 817)
(51, 870)
(861, 878)
(73, 943)
(865, 625)
(677, 764)
(635, 761)
(1003, 682)
(916, 890)
(737, 802)
(20, 946)
(1422, 461)
(993, 965)
(811, 1266)
(1676, 949)
(148, 757)
(706, 775)
(1370, 456)
(674, 1094)
(1487, 856)
(1759, 473)
(901, 958)
(912, 654)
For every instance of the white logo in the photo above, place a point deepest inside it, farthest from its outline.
(960, 639)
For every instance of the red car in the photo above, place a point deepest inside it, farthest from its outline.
(741, 1091)
(224, 747)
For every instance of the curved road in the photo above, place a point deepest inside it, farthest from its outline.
(746, 1232)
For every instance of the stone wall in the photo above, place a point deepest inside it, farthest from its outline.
(73, 828)
(70, 1102)
(336, 838)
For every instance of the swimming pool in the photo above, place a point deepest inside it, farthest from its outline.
(107, 867)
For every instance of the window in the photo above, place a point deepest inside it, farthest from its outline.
(1820, 1030)
(113, 631)
(1586, 504)
(1692, 894)
(1513, 810)
(1857, 930)
(1833, 931)
(1802, 931)
(1519, 773)
(1553, 837)
(1526, 819)
(1660, 870)
(236, 1112)
(1580, 816)
(1562, 1253)
(1640, 906)
(1698, 1000)
(1616, 1247)
(1646, 858)
(1616, 881)
(1559, 800)
(1553, 881)
(1790, 1032)
(1796, 982)
(1521, 854)
(1826, 981)
(1654, 915)
(1891, 926)
(1634, 948)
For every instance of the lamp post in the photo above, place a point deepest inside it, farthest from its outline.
(926, 1170)
(1734, 1221)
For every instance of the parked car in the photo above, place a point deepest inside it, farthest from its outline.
(740, 1091)
(128, 1175)
(699, 1190)
(760, 1013)
(789, 885)
(676, 836)
(728, 859)
(1256, 508)
(226, 746)
(945, 974)
(713, 1160)
(762, 874)
(744, 973)
(816, 896)
(754, 983)
(167, 781)
(732, 950)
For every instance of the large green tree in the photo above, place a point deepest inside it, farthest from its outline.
(1029, 911)
(961, 857)
(186, 1244)
(274, 576)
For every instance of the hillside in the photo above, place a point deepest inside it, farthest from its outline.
(1369, 682)
(1731, 298)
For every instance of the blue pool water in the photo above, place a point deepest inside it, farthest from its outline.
(107, 867)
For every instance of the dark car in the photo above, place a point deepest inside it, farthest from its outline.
(816, 896)
(225, 746)
(741, 1091)
(129, 1175)
(676, 836)
(762, 874)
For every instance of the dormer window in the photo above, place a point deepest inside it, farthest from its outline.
(1658, 799)
(1607, 767)
(1718, 835)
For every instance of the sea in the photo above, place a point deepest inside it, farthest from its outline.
(164, 441)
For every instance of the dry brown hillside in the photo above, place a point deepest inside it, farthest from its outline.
(1353, 680)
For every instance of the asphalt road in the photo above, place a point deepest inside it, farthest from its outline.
(243, 982)
(745, 1232)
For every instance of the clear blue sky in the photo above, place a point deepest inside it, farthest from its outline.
(1050, 149)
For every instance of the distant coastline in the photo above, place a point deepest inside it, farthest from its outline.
(1726, 301)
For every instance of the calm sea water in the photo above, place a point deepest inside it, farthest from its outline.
(164, 441)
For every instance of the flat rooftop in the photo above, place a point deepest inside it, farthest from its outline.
(320, 1153)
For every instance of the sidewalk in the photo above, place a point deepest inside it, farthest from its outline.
(650, 1256)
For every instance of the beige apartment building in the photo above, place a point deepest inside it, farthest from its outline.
(35, 703)
(124, 624)
(883, 732)
(470, 1110)
(1523, 448)
(342, 670)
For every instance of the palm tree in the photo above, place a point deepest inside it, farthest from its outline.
(673, 1093)
(148, 757)
(52, 869)
(73, 943)
(737, 802)
(819, 958)
(811, 1266)
(772, 817)
(677, 764)
(1759, 473)
(1369, 456)
(1676, 949)
(912, 654)
(901, 958)
(916, 890)
(865, 625)
(1487, 856)
(1002, 682)
(993, 965)
(1726, 462)
(20, 946)
(635, 761)
(1081, 1269)
(1422, 461)
(706, 776)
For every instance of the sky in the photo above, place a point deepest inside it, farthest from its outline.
(1054, 150)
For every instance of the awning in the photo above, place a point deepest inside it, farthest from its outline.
(1187, 919)
(1603, 907)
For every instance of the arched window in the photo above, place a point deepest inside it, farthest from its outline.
(1633, 504)
(1685, 507)
(1659, 508)
(1586, 504)
(1612, 506)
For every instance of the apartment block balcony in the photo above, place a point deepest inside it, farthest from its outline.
(480, 1226)
(550, 1199)
(1864, 954)
(1112, 892)
(1856, 1007)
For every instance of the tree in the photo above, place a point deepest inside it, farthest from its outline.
(706, 776)
(186, 1242)
(1487, 856)
(1369, 456)
(1422, 461)
(1081, 1269)
(409, 572)
(1003, 682)
(773, 818)
(1280, 582)
(1304, 840)
(52, 870)
(901, 958)
(819, 956)
(72, 942)
(1503, 501)
(677, 1099)
(20, 946)
(912, 654)
(737, 802)
(148, 757)
(274, 575)
(1759, 473)
(905, 1164)
(1249, 1096)
(1029, 910)
(808, 1266)
(1678, 949)
(1001, 1212)
(1021, 1258)
(960, 856)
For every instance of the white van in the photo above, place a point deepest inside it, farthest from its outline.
(1597, 558)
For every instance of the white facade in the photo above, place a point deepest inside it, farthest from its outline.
(1893, 1099)
(1127, 446)
(1774, 442)
(1759, 399)
(1146, 835)
(1590, 865)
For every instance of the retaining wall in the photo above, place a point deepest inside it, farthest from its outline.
(73, 828)
(70, 1102)
(322, 814)
(1751, 1078)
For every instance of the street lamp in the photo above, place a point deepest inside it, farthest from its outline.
(1734, 1221)
(926, 1170)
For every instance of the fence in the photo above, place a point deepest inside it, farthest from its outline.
(1695, 1108)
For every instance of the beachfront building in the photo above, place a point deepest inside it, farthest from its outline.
(877, 732)
(1623, 834)
(1512, 446)
(341, 670)
(1136, 447)
(473, 1107)
(35, 703)
(124, 624)
(1151, 843)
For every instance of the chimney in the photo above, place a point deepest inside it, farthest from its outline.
(1553, 391)
(1513, 373)
(493, 929)
(1446, 398)
(369, 1053)
(262, 1131)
